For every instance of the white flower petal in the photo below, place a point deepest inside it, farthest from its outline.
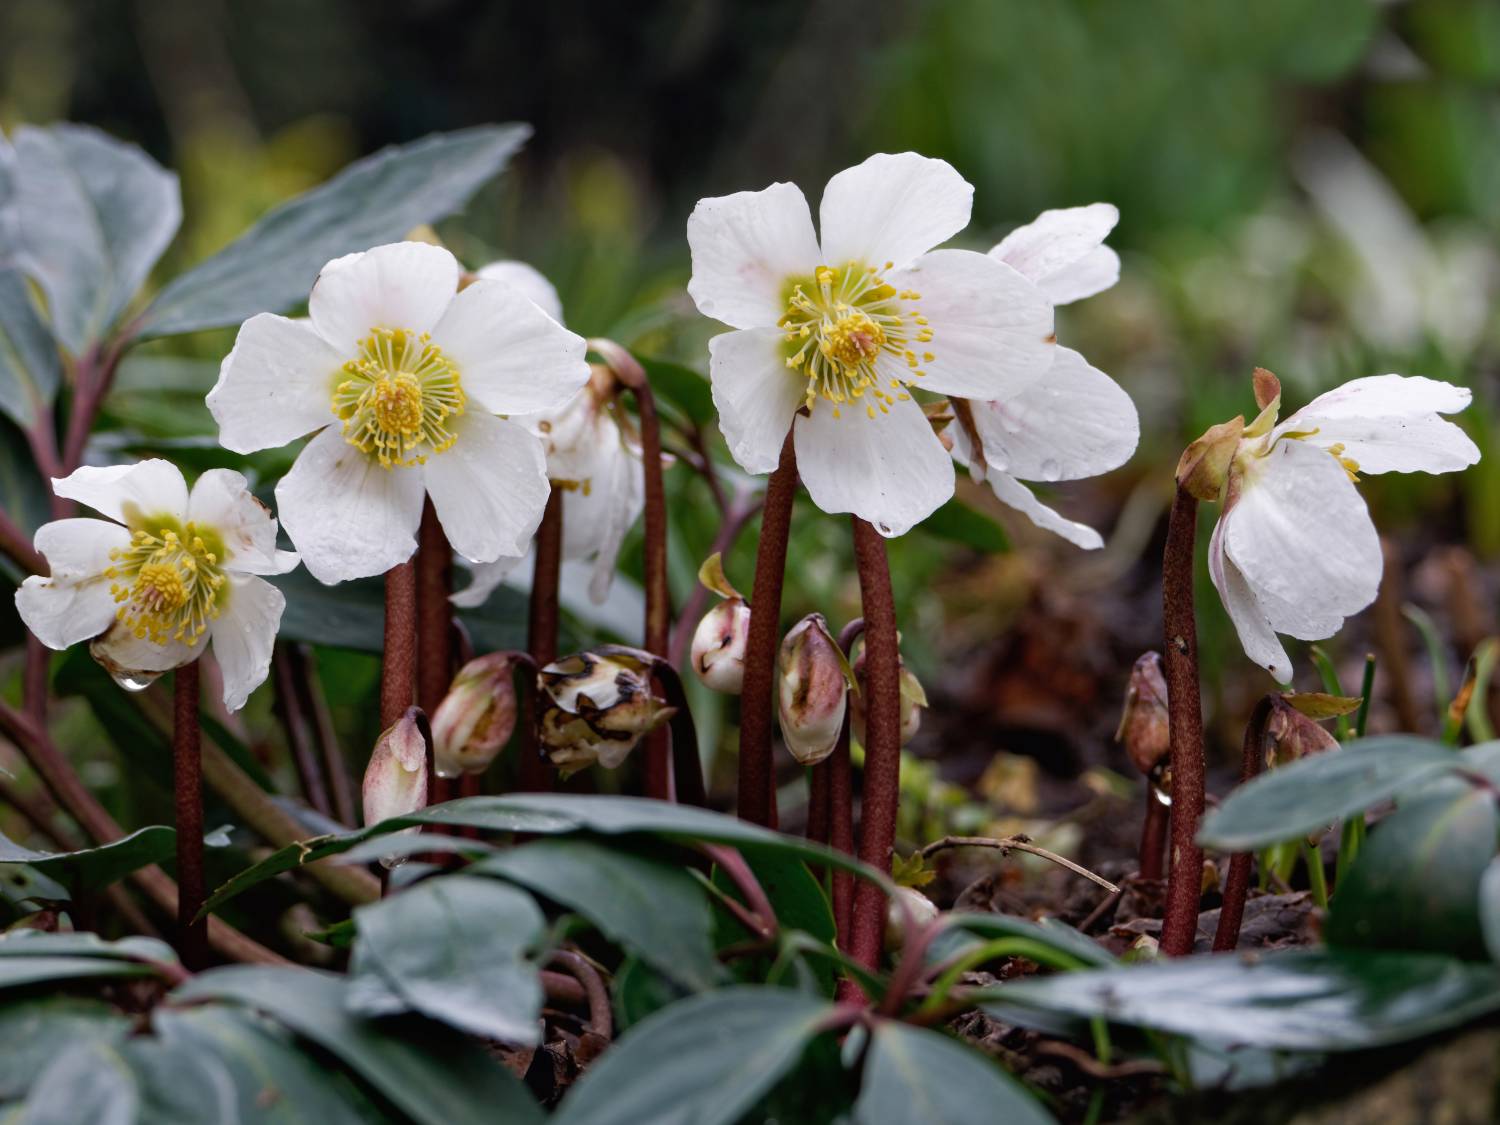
(347, 516)
(512, 357)
(244, 634)
(530, 281)
(744, 247)
(595, 521)
(1012, 492)
(1249, 618)
(490, 488)
(400, 285)
(1075, 422)
(1056, 240)
(275, 385)
(755, 393)
(992, 329)
(892, 208)
(74, 604)
(486, 578)
(1095, 272)
(221, 500)
(890, 470)
(127, 492)
(1390, 424)
(1301, 532)
(124, 654)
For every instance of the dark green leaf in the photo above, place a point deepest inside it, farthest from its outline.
(30, 368)
(178, 1083)
(1310, 794)
(1300, 1000)
(957, 522)
(1489, 908)
(34, 943)
(964, 927)
(641, 991)
(38, 1030)
(654, 909)
(912, 1074)
(707, 1060)
(434, 1076)
(800, 904)
(95, 214)
(1416, 882)
(97, 867)
(20, 972)
(272, 266)
(88, 1082)
(681, 386)
(455, 948)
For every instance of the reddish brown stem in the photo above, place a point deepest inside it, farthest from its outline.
(294, 719)
(434, 580)
(601, 1018)
(733, 864)
(841, 803)
(882, 784)
(687, 767)
(17, 544)
(398, 684)
(1185, 719)
(1237, 885)
(187, 792)
(335, 767)
(817, 803)
(34, 678)
(1153, 834)
(534, 774)
(757, 774)
(658, 770)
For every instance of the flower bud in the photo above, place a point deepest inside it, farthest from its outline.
(812, 690)
(395, 781)
(1204, 466)
(913, 702)
(718, 651)
(1144, 728)
(596, 708)
(476, 718)
(922, 911)
(1290, 734)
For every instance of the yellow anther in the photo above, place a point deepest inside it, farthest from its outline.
(398, 398)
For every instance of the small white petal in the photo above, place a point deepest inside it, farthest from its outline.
(127, 492)
(347, 516)
(400, 285)
(755, 393)
(1074, 422)
(744, 248)
(275, 385)
(1390, 424)
(512, 357)
(79, 548)
(490, 488)
(486, 578)
(1093, 273)
(1057, 240)
(992, 329)
(1249, 619)
(1012, 492)
(221, 500)
(892, 208)
(530, 281)
(244, 634)
(74, 604)
(125, 654)
(890, 470)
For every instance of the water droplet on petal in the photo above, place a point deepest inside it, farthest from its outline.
(1051, 470)
(135, 681)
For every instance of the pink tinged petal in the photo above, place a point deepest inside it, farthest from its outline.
(490, 488)
(529, 282)
(756, 394)
(512, 358)
(347, 516)
(890, 470)
(75, 603)
(744, 247)
(1249, 618)
(1390, 424)
(1013, 493)
(1056, 240)
(1301, 534)
(991, 328)
(401, 285)
(243, 635)
(1095, 272)
(892, 208)
(275, 385)
(221, 500)
(126, 492)
(1075, 422)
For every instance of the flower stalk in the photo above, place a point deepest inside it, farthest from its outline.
(840, 786)
(1237, 885)
(757, 774)
(533, 774)
(398, 671)
(187, 796)
(434, 582)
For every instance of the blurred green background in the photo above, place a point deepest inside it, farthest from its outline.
(1307, 185)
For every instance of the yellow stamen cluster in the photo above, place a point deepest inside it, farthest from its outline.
(167, 584)
(1351, 466)
(397, 397)
(840, 323)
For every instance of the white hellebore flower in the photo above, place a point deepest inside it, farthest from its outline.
(1076, 421)
(167, 572)
(590, 459)
(834, 332)
(402, 376)
(1295, 551)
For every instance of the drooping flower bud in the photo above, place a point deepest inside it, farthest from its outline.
(922, 911)
(1291, 733)
(1144, 729)
(1204, 466)
(812, 689)
(395, 782)
(476, 718)
(718, 652)
(913, 701)
(597, 707)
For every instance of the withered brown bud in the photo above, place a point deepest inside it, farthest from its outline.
(596, 708)
(1290, 734)
(477, 716)
(1144, 728)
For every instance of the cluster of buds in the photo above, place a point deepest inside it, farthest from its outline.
(596, 706)
(913, 701)
(812, 689)
(1144, 728)
(718, 650)
(395, 782)
(477, 717)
